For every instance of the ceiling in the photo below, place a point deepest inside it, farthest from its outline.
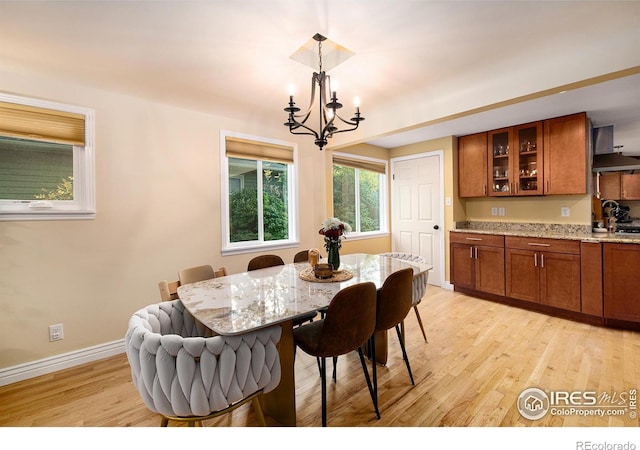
(423, 69)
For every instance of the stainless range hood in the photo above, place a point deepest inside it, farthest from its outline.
(604, 157)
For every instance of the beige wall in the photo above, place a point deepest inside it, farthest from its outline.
(158, 201)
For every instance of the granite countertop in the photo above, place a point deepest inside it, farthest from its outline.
(541, 230)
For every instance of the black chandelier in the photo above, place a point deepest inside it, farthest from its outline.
(328, 111)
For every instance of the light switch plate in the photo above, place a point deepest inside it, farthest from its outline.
(565, 211)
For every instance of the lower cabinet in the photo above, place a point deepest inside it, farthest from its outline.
(545, 271)
(477, 262)
(600, 281)
(621, 265)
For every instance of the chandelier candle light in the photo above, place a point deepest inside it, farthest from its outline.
(327, 111)
(333, 231)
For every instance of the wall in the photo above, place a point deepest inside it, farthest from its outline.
(158, 210)
(542, 209)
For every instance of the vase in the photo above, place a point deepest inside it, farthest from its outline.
(333, 252)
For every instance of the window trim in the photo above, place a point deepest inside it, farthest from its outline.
(229, 248)
(83, 205)
(360, 163)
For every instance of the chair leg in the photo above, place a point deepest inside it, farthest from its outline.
(415, 308)
(258, 410)
(404, 352)
(374, 365)
(369, 384)
(164, 422)
(335, 367)
(323, 377)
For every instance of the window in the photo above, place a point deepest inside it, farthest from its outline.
(360, 193)
(258, 193)
(46, 160)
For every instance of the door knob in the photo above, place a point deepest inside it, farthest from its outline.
(436, 227)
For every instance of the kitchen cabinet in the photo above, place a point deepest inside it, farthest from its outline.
(565, 155)
(515, 160)
(609, 184)
(477, 262)
(472, 165)
(547, 157)
(619, 186)
(591, 278)
(630, 186)
(621, 281)
(545, 271)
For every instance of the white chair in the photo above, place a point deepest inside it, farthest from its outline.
(185, 374)
(419, 283)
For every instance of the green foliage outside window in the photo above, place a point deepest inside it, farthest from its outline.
(244, 207)
(64, 191)
(368, 201)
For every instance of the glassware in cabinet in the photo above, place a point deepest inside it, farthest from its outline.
(529, 159)
(500, 155)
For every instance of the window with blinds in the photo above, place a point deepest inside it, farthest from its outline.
(46, 160)
(258, 193)
(360, 193)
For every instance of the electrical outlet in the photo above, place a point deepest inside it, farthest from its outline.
(494, 211)
(56, 332)
(501, 211)
(565, 211)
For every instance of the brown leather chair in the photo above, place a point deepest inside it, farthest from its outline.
(394, 301)
(348, 323)
(263, 261)
(301, 256)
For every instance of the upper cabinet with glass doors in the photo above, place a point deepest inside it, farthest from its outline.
(528, 161)
(499, 165)
(514, 160)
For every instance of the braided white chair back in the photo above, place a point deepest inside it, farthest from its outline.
(179, 370)
(419, 281)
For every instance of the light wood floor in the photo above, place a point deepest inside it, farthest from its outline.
(479, 358)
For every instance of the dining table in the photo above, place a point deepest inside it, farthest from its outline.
(247, 301)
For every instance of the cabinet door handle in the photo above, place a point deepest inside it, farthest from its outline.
(484, 190)
(535, 244)
(476, 252)
(535, 260)
(470, 252)
(542, 261)
(547, 186)
(473, 239)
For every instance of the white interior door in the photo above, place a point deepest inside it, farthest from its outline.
(416, 209)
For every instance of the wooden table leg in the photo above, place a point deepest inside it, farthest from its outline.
(280, 404)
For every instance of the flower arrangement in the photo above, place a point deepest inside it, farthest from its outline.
(334, 228)
(333, 231)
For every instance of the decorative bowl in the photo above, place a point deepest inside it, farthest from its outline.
(323, 271)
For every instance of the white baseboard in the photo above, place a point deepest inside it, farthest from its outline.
(59, 362)
(447, 285)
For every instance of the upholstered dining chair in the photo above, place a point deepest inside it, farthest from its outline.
(263, 261)
(394, 301)
(301, 256)
(200, 273)
(186, 375)
(348, 323)
(419, 284)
